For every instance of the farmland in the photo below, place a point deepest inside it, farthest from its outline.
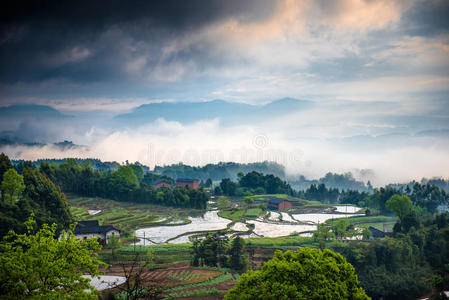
(264, 234)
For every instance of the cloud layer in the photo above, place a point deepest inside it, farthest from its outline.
(377, 72)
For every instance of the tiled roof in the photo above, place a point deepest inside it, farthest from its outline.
(84, 227)
(160, 180)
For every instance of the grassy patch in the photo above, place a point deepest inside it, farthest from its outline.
(217, 280)
(376, 221)
(253, 212)
(279, 242)
(234, 215)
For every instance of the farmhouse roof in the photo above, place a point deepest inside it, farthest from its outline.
(160, 181)
(92, 227)
(376, 232)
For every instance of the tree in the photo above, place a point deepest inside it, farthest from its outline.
(323, 234)
(137, 170)
(210, 251)
(305, 274)
(340, 226)
(248, 201)
(401, 205)
(223, 202)
(40, 266)
(228, 187)
(5, 165)
(237, 260)
(208, 183)
(12, 185)
(137, 285)
(53, 205)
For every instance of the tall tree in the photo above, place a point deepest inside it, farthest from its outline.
(401, 205)
(5, 165)
(237, 260)
(12, 186)
(53, 205)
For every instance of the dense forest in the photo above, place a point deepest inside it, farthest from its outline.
(219, 171)
(32, 192)
(407, 265)
(339, 181)
(127, 183)
(427, 197)
(253, 183)
(95, 164)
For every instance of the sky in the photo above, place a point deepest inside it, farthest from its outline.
(375, 75)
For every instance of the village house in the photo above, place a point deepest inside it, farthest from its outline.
(379, 233)
(91, 229)
(190, 183)
(161, 183)
(278, 204)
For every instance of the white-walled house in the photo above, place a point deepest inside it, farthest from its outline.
(91, 229)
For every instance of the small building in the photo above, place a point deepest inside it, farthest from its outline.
(161, 183)
(91, 229)
(278, 204)
(379, 233)
(190, 183)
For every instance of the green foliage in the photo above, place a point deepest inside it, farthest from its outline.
(321, 193)
(40, 197)
(53, 204)
(402, 267)
(248, 201)
(401, 205)
(228, 187)
(223, 202)
(339, 227)
(137, 170)
(215, 250)
(237, 260)
(279, 242)
(122, 185)
(233, 214)
(253, 212)
(12, 185)
(40, 266)
(269, 183)
(323, 234)
(5, 165)
(217, 172)
(210, 251)
(305, 274)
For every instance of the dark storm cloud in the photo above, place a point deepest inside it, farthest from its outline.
(426, 18)
(42, 40)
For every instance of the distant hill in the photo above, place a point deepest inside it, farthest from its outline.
(31, 111)
(31, 123)
(228, 112)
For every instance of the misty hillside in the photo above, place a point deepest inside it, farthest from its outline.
(229, 112)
